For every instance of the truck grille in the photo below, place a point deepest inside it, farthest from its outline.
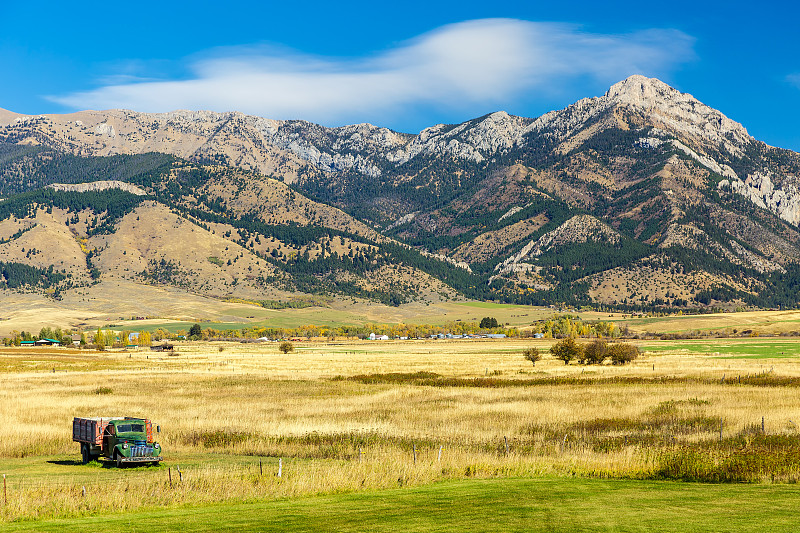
(141, 451)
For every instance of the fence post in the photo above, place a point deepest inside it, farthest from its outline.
(169, 473)
(360, 454)
(762, 426)
(505, 439)
(415, 454)
(440, 454)
(260, 468)
(5, 492)
(180, 474)
(720, 429)
(280, 466)
(83, 491)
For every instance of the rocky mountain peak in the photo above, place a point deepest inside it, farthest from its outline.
(655, 104)
(680, 113)
(641, 90)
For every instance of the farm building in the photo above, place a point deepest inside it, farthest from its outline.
(162, 348)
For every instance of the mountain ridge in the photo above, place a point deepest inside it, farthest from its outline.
(674, 180)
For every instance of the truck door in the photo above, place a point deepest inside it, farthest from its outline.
(108, 440)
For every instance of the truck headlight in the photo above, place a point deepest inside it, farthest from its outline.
(156, 445)
(125, 445)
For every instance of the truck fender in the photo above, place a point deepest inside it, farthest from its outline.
(118, 457)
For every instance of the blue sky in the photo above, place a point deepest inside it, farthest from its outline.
(402, 65)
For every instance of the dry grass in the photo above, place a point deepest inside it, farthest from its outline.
(758, 322)
(341, 434)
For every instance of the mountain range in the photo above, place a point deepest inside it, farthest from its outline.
(641, 198)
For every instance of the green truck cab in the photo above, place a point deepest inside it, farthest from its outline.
(123, 440)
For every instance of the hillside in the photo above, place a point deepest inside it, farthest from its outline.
(212, 231)
(638, 198)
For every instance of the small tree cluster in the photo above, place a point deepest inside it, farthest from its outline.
(489, 322)
(103, 339)
(563, 326)
(594, 353)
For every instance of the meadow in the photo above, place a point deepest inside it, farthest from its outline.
(361, 420)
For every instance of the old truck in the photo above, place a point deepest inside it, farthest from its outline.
(120, 439)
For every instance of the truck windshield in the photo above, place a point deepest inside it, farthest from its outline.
(130, 428)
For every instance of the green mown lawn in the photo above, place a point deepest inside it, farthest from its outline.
(748, 349)
(528, 505)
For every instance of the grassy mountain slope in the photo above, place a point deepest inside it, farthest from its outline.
(214, 231)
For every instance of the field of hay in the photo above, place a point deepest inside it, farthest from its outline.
(360, 416)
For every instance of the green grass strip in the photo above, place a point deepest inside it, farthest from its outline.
(530, 505)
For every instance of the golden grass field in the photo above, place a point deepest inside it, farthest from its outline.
(223, 407)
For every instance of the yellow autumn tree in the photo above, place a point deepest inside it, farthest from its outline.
(145, 339)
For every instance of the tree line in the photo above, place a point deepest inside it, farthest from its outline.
(593, 353)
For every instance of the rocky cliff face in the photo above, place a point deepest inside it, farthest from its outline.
(759, 189)
(103, 185)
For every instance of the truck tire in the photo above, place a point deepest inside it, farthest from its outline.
(85, 455)
(118, 459)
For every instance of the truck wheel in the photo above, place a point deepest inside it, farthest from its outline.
(118, 458)
(85, 456)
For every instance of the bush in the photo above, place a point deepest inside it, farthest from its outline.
(532, 355)
(595, 352)
(622, 353)
(286, 347)
(567, 350)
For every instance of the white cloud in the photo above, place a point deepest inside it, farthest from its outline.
(488, 62)
(794, 79)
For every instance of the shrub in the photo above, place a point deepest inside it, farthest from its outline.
(622, 353)
(566, 350)
(532, 355)
(286, 347)
(595, 352)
